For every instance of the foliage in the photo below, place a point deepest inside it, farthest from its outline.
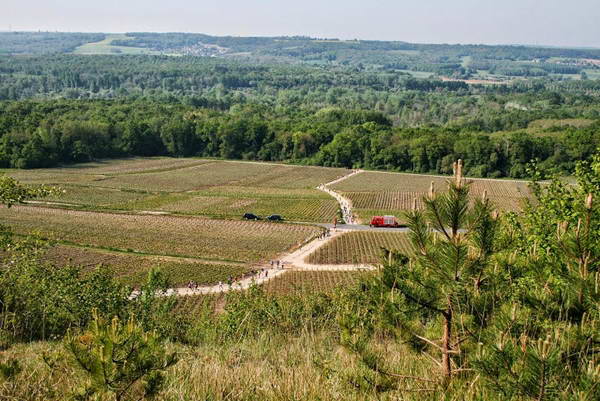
(41, 301)
(121, 359)
(12, 192)
(514, 302)
(44, 134)
(448, 286)
(544, 342)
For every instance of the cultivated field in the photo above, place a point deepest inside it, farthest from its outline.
(133, 269)
(310, 282)
(193, 237)
(106, 47)
(191, 305)
(192, 186)
(359, 247)
(135, 214)
(374, 193)
(294, 283)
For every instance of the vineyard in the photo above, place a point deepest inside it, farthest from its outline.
(302, 282)
(297, 209)
(133, 270)
(97, 197)
(359, 247)
(194, 237)
(193, 305)
(210, 188)
(99, 170)
(378, 193)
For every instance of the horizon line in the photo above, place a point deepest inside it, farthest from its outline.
(313, 38)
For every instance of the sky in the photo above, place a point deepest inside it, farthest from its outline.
(533, 22)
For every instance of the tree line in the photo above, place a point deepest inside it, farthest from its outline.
(45, 134)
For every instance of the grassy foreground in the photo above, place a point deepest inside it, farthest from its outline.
(310, 366)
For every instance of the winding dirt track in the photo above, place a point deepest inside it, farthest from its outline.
(291, 261)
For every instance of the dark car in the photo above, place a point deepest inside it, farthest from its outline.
(251, 216)
(275, 217)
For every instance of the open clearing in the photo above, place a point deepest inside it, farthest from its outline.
(106, 47)
(192, 237)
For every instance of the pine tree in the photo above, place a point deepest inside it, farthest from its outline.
(544, 343)
(438, 299)
(119, 359)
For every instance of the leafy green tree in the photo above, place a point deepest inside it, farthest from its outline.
(12, 192)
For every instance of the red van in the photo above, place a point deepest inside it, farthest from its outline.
(384, 221)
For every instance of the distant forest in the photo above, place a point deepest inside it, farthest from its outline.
(327, 102)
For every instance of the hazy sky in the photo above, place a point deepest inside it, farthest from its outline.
(544, 22)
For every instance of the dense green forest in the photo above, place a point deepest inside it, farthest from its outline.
(254, 101)
(43, 134)
(44, 42)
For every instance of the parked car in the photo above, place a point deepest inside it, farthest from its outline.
(251, 216)
(275, 217)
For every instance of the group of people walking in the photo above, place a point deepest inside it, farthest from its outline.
(275, 263)
(192, 285)
(325, 234)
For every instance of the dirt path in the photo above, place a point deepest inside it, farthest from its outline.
(345, 203)
(295, 260)
(291, 261)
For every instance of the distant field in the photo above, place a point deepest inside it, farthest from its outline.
(193, 186)
(393, 193)
(218, 173)
(133, 269)
(359, 247)
(106, 47)
(192, 237)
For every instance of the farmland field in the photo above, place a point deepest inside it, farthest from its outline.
(212, 188)
(193, 237)
(133, 269)
(294, 283)
(307, 282)
(374, 193)
(359, 247)
(191, 305)
(106, 47)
